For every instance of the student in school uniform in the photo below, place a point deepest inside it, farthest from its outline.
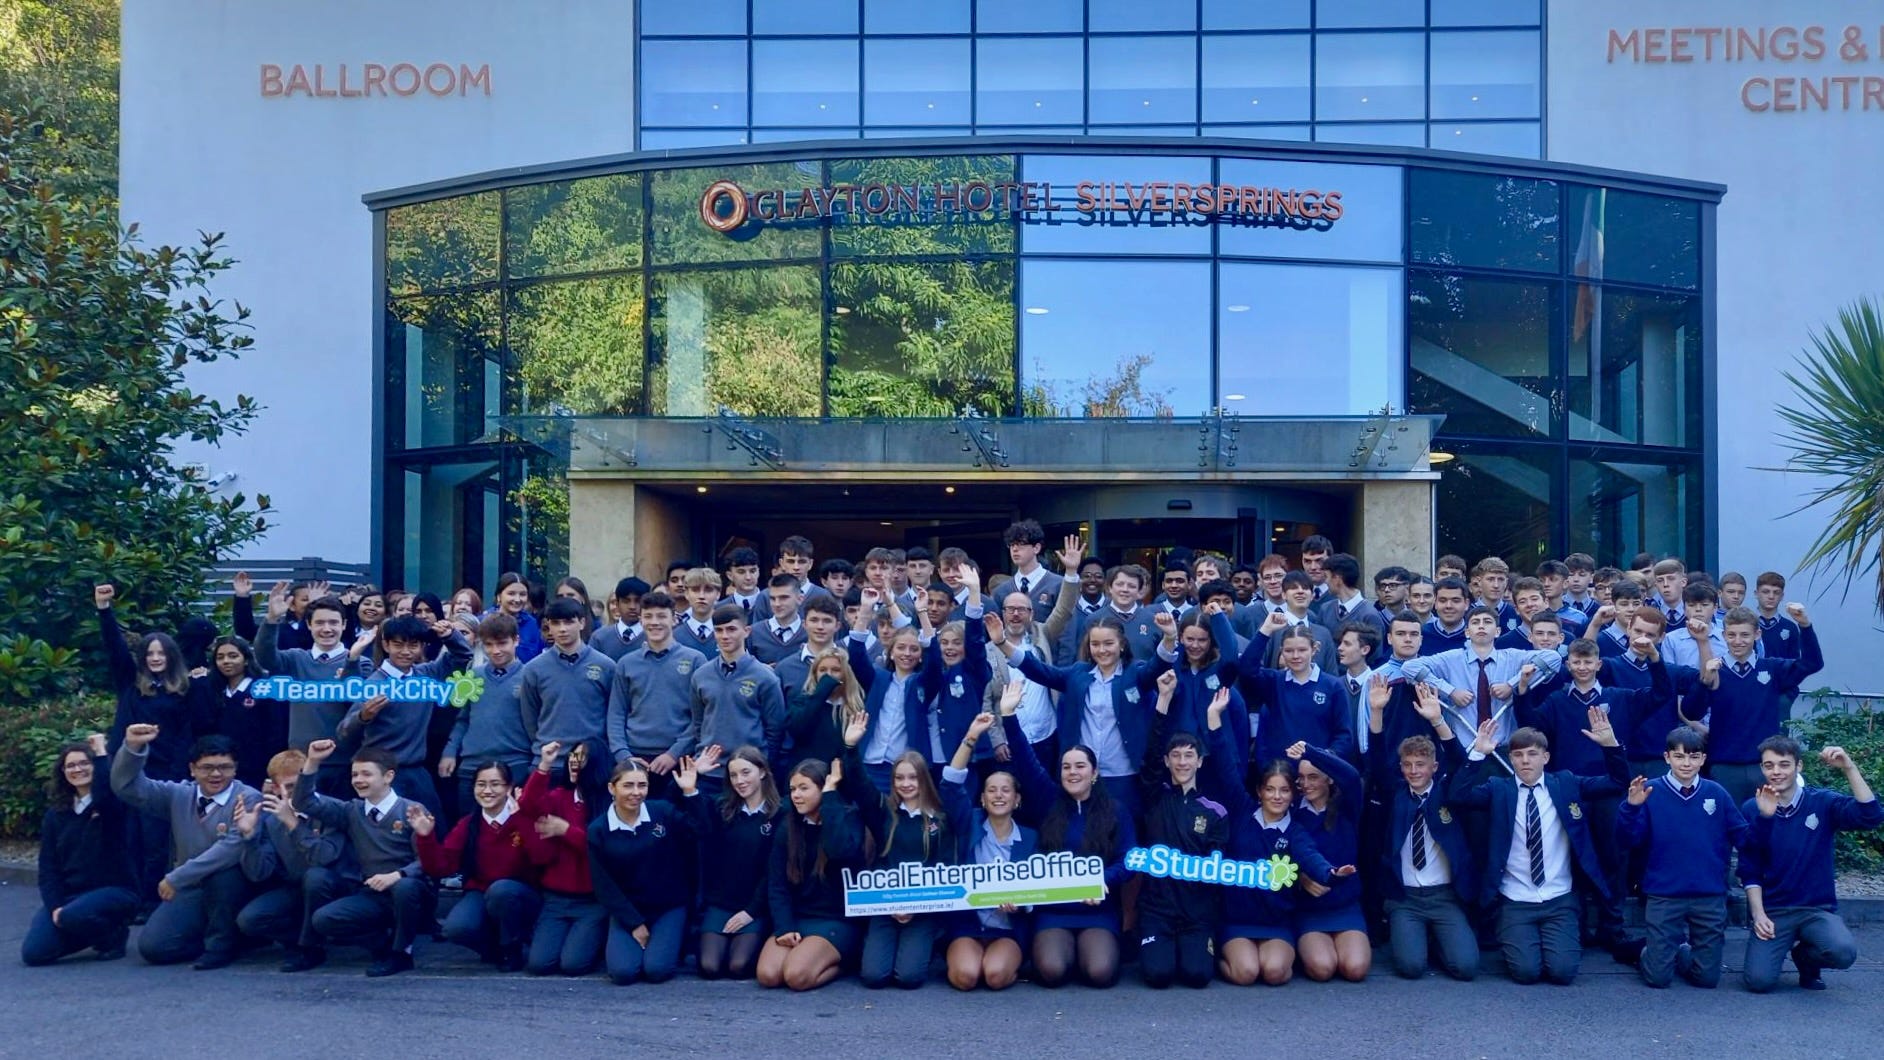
(1696, 640)
(1345, 601)
(1553, 577)
(907, 823)
(490, 728)
(899, 719)
(1355, 644)
(1174, 584)
(1179, 920)
(641, 860)
(1315, 553)
(259, 727)
(822, 618)
(836, 576)
(623, 635)
(955, 677)
(1270, 572)
(513, 599)
(293, 861)
(86, 883)
(294, 631)
(674, 582)
(1422, 596)
(1445, 630)
(572, 927)
(1480, 679)
(1490, 582)
(1779, 635)
(650, 706)
(1579, 583)
(1298, 701)
(1243, 582)
(1539, 845)
(563, 694)
(985, 946)
(392, 902)
(1428, 873)
(736, 698)
(1787, 865)
(693, 627)
(1390, 586)
(325, 659)
(779, 635)
(821, 837)
(818, 712)
(1670, 579)
(1747, 699)
(796, 559)
(1025, 542)
(735, 833)
(1201, 650)
(203, 892)
(497, 852)
(742, 583)
(1684, 828)
(1125, 587)
(400, 728)
(919, 571)
(1611, 624)
(1329, 924)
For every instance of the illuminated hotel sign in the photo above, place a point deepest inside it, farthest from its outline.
(727, 207)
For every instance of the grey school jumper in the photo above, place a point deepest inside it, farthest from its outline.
(378, 846)
(650, 711)
(566, 701)
(401, 727)
(307, 722)
(200, 846)
(490, 728)
(738, 708)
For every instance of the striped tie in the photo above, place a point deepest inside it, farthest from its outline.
(1534, 834)
(1419, 836)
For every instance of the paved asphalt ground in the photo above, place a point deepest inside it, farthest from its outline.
(451, 1007)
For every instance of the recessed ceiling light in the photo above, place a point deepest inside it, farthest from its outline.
(1036, 103)
(932, 106)
(886, 522)
(1148, 103)
(1233, 397)
(823, 106)
(948, 489)
(1237, 308)
(1440, 458)
(1037, 310)
(1458, 132)
(716, 106)
(1475, 99)
(699, 489)
(1254, 102)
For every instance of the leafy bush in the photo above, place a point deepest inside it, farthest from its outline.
(1859, 729)
(34, 734)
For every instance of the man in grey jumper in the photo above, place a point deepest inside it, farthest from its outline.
(650, 710)
(328, 660)
(400, 728)
(564, 692)
(736, 699)
(393, 902)
(205, 888)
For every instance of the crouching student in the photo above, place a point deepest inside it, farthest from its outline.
(1787, 865)
(86, 883)
(295, 859)
(641, 862)
(201, 895)
(392, 902)
(573, 927)
(985, 945)
(1178, 919)
(1540, 845)
(1684, 828)
(736, 833)
(805, 883)
(1426, 863)
(1330, 928)
(498, 852)
(908, 824)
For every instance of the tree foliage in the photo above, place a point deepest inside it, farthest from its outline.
(60, 59)
(96, 332)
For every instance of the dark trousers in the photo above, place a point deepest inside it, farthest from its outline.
(97, 919)
(1698, 923)
(570, 933)
(898, 954)
(200, 919)
(1816, 939)
(1741, 779)
(285, 912)
(493, 920)
(1433, 912)
(149, 840)
(366, 916)
(1167, 955)
(629, 961)
(1540, 940)
(1610, 928)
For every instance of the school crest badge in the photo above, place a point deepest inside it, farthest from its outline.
(747, 688)
(1785, 634)
(1707, 805)
(1763, 677)
(1445, 815)
(660, 830)
(684, 667)
(1510, 624)
(1282, 845)
(956, 688)
(1212, 683)
(1045, 598)
(222, 829)
(1576, 812)
(516, 839)
(398, 826)
(766, 828)
(594, 672)
(1142, 630)
(1321, 698)
(1812, 821)
(1131, 695)
(1200, 824)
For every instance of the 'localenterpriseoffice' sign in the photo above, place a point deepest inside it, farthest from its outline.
(912, 887)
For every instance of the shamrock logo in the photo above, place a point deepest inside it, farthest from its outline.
(465, 688)
(1282, 872)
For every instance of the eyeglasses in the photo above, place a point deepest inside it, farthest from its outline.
(219, 767)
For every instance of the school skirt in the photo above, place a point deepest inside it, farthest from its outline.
(843, 935)
(1077, 917)
(1310, 917)
(1256, 933)
(968, 925)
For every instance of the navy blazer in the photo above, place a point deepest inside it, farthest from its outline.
(1134, 681)
(875, 682)
(1443, 824)
(966, 820)
(1568, 792)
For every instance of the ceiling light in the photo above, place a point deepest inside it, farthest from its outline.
(1036, 103)
(1037, 310)
(1458, 132)
(932, 106)
(948, 489)
(1254, 102)
(886, 522)
(1148, 103)
(1475, 99)
(1237, 308)
(1436, 457)
(699, 489)
(1234, 397)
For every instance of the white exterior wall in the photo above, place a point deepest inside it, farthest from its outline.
(205, 149)
(1799, 236)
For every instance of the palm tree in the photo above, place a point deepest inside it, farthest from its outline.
(1838, 433)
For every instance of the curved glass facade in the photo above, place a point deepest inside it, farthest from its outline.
(1462, 75)
(1554, 317)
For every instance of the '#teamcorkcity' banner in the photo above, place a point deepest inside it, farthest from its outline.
(912, 887)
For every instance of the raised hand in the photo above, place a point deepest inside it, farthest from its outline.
(138, 737)
(546, 758)
(1379, 692)
(103, 595)
(1213, 714)
(282, 807)
(246, 817)
(371, 708)
(1639, 791)
(1603, 617)
(1297, 750)
(420, 819)
(1767, 800)
(979, 727)
(997, 630)
(319, 751)
(971, 579)
(1798, 613)
(1645, 647)
(1167, 685)
(243, 584)
(1167, 625)
(708, 760)
(1487, 741)
(1600, 729)
(687, 775)
(836, 776)
(855, 727)
(316, 590)
(95, 743)
(1711, 668)
(1700, 627)
(1836, 758)
(1426, 703)
(1011, 695)
(278, 602)
(1274, 623)
(1072, 554)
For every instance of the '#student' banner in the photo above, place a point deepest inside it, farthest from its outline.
(912, 887)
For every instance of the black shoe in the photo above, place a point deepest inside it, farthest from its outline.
(305, 960)
(1627, 951)
(110, 953)
(1810, 979)
(513, 960)
(214, 959)
(391, 964)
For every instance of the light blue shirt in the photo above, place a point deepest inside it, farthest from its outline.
(1679, 648)
(1459, 667)
(1102, 728)
(990, 849)
(890, 736)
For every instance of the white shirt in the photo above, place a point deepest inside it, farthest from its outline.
(81, 804)
(333, 654)
(1036, 706)
(1102, 728)
(616, 824)
(384, 806)
(783, 633)
(1516, 884)
(889, 737)
(626, 631)
(240, 687)
(1438, 871)
(392, 671)
(497, 821)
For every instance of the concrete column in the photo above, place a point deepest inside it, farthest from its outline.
(1393, 525)
(617, 529)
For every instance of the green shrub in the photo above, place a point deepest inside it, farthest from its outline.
(33, 735)
(1859, 729)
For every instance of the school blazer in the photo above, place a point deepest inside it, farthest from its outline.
(1444, 824)
(1571, 794)
(966, 820)
(875, 681)
(1133, 695)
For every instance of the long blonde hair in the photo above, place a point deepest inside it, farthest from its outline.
(852, 699)
(928, 800)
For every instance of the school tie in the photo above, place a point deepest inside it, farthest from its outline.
(372, 814)
(1742, 667)
(1687, 791)
(1672, 616)
(702, 632)
(1419, 834)
(747, 606)
(1024, 585)
(1484, 689)
(1354, 687)
(728, 668)
(569, 656)
(203, 803)
(1534, 834)
(326, 657)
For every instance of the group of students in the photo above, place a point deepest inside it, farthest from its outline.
(1460, 761)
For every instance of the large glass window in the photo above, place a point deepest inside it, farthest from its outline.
(1629, 237)
(804, 16)
(1381, 134)
(576, 345)
(1635, 368)
(1481, 353)
(1370, 76)
(1125, 214)
(907, 16)
(1115, 338)
(1485, 75)
(804, 82)
(450, 516)
(1296, 340)
(432, 246)
(693, 82)
(922, 339)
(1035, 16)
(573, 226)
(680, 236)
(1113, 16)
(1368, 229)
(1498, 501)
(1259, 77)
(1243, 14)
(744, 339)
(1486, 12)
(1623, 505)
(1369, 14)
(1030, 81)
(957, 234)
(1516, 139)
(694, 18)
(444, 358)
(1143, 80)
(916, 82)
(663, 139)
(1474, 220)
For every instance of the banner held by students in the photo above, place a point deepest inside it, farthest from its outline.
(912, 887)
